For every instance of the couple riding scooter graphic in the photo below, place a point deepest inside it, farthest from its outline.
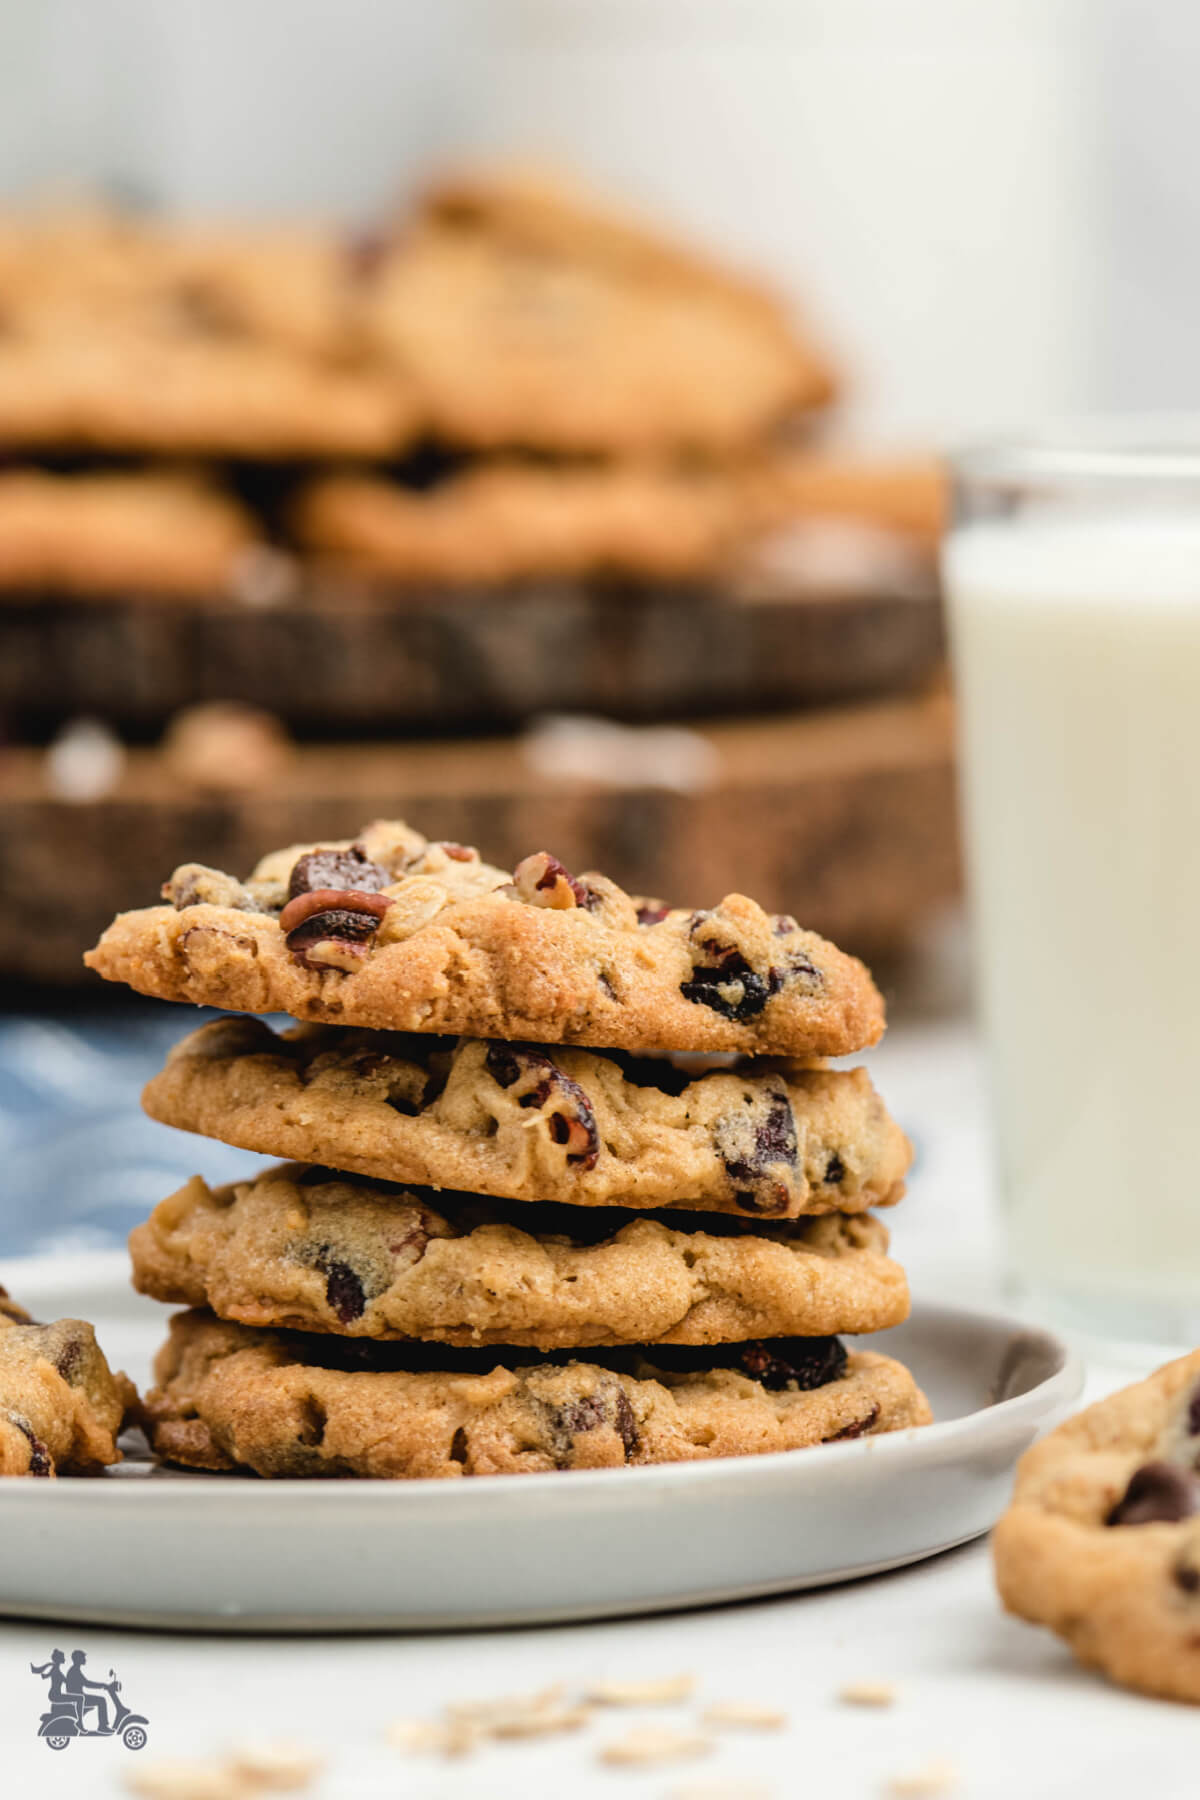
(73, 1697)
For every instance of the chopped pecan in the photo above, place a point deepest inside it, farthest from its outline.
(541, 880)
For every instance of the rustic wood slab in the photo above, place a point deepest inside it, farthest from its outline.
(341, 653)
(844, 817)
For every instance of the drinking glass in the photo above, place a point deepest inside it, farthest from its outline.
(1072, 572)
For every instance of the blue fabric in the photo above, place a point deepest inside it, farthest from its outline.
(80, 1163)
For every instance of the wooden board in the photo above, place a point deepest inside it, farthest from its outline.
(346, 654)
(844, 817)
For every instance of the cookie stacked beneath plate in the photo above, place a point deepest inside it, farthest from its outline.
(518, 1235)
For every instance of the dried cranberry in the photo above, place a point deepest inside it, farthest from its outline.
(783, 924)
(794, 1362)
(610, 1406)
(652, 912)
(69, 1358)
(343, 1289)
(730, 988)
(773, 1149)
(336, 869)
(1158, 1493)
(571, 1119)
(859, 1428)
(40, 1460)
(1193, 1413)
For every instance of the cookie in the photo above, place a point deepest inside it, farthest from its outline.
(516, 346)
(1102, 1540)
(229, 1397)
(904, 495)
(395, 933)
(528, 1124)
(106, 534)
(61, 1407)
(191, 395)
(508, 519)
(312, 1250)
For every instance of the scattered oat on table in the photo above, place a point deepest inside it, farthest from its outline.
(665, 1691)
(655, 1744)
(277, 1765)
(720, 1790)
(934, 1778)
(418, 1736)
(747, 1715)
(867, 1693)
(520, 1716)
(191, 1780)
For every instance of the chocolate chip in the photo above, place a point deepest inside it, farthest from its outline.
(1158, 1493)
(835, 1169)
(731, 988)
(336, 869)
(343, 1289)
(794, 1362)
(1187, 1577)
(759, 1169)
(571, 1119)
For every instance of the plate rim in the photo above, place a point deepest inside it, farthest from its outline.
(931, 1442)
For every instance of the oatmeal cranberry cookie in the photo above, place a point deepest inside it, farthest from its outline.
(310, 1249)
(61, 1407)
(192, 396)
(112, 534)
(278, 1403)
(515, 344)
(395, 933)
(510, 519)
(528, 1123)
(1102, 1540)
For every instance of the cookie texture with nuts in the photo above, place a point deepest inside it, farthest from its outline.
(61, 1407)
(1102, 1539)
(312, 1250)
(528, 1123)
(231, 1397)
(393, 932)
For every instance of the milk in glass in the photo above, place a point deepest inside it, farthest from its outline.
(1077, 647)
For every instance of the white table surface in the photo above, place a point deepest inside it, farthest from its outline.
(1002, 1703)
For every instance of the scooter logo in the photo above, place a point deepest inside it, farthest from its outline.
(78, 1708)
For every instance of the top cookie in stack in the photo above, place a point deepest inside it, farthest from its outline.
(608, 1258)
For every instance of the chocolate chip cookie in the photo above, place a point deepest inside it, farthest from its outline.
(1102, 1540)
(311, 1250)
(392, 932)
(229, 1397)
(529, 1123)
(61, 1407)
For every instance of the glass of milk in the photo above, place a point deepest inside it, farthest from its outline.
(1073, 580)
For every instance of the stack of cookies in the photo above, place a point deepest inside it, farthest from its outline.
(572, 1185)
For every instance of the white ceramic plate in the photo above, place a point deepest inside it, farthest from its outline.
(146, 1546)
